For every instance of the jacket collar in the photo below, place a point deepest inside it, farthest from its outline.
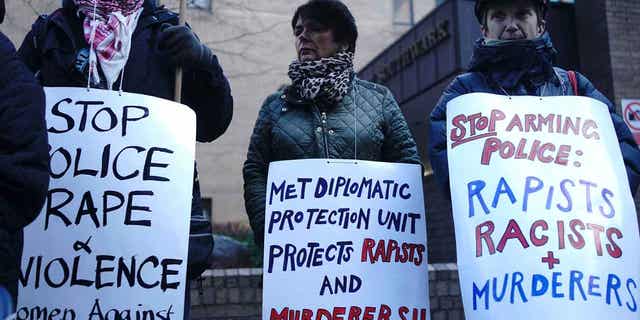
(513, 63)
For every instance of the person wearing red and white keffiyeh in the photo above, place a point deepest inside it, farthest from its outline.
(108, 27)
(56, 49)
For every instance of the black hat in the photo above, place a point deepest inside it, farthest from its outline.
(481, 7)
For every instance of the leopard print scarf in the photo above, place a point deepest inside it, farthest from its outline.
(325, 79)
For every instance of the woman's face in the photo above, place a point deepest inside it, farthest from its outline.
(313, 40)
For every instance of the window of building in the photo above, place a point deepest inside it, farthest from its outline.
(207, 204)
(205, 5)
(403, 13)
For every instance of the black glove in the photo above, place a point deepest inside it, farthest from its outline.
(184, 48)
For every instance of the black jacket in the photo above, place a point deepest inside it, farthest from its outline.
(24, 174)
(53, 50)
(288, 128)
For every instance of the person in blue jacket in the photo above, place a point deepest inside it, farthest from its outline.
(515, 57)
(24, 171)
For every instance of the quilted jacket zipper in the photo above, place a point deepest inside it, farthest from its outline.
(324, 133)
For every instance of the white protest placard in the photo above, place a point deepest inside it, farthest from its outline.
(345, 240)
(545, 223)
(111, 241)
(631, 115)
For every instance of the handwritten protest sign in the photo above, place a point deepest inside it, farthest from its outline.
(545, 223)
(345, 241)
(111, 241)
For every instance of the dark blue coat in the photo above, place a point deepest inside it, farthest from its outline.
(53, 49)
(520, 70)
(24, 171)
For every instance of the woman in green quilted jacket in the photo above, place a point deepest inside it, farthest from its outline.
(327, 112)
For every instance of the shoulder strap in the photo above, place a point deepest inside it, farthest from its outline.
(165, 15)
(159, 16)
(40, 28)
(39, 31)
(574, 81)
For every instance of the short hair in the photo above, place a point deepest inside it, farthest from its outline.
(537, 7)
(332, 14)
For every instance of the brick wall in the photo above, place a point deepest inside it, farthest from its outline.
(444, 292)
(624, 46)
(609, 46)
(624, 42)
(593, 44)
(227, 294)
(237, 294)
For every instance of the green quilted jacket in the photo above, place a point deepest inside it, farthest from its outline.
(288, 128)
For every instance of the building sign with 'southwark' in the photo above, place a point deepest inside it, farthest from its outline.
(419, 48)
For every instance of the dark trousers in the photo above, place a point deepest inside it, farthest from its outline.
(187, 301)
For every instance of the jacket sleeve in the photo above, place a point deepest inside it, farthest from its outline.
(438, 135)
(398, 144)
(24, 174)
(628, 146)
(255, 171)
(208, 93)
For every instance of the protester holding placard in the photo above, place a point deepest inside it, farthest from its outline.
(58, 49)
(533, 155)
(327, 112)
(24, 174)
(515, 57)
(135, 46)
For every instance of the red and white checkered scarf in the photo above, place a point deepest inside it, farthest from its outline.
(108, 27)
